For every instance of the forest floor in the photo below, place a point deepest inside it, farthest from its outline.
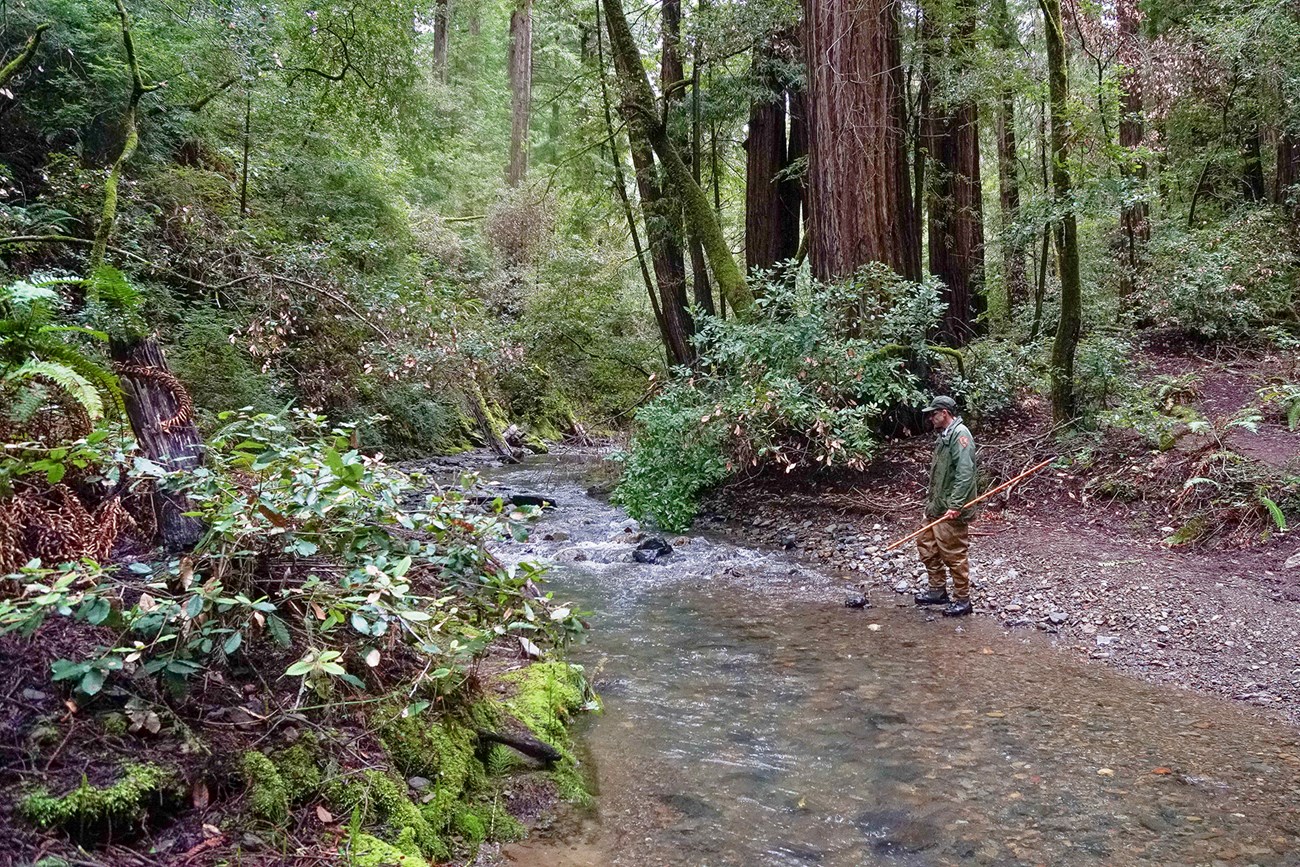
(1085, 553)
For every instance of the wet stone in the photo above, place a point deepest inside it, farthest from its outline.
(691, 806)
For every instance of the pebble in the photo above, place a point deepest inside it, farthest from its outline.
(1058, 617)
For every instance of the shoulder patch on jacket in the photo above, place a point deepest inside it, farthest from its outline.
(963, 441)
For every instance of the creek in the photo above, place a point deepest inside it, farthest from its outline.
(751, 719)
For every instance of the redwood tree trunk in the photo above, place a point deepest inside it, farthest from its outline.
(860, 208)
(521, 89)
(162, 419)
(441, 24)
(955, 199)
(766, 226)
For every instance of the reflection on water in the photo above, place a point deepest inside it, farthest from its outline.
(748, 723)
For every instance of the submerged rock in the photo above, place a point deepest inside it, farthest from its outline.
(651, 549)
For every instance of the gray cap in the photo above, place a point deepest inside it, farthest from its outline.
(941, 401)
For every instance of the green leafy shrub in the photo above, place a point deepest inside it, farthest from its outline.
(1220, 281)
(406, 573)
(803, 382)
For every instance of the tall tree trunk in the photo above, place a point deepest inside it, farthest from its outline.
(955, 198)
(699, 266)
(672, 75)
(766, 241)
(1014, 275)
(641, 108)
(521, 89)
(620, 185)
(861, 209)
(441, 27)
(1133, 216)
(1064, 408)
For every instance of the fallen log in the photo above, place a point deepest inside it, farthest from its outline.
(525, 742)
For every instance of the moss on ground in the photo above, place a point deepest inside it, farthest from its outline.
(299, 766)
(268, 793)
(370, 851)
(103, 809)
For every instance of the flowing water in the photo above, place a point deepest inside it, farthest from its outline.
(751, 719)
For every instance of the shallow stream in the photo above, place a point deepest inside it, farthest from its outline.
(751, 719)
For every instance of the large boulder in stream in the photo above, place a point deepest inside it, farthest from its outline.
(651, 550)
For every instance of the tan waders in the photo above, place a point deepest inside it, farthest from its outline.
(945, 545)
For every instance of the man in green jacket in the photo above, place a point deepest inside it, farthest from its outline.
(952, 485)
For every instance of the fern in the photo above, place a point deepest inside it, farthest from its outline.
(1275, 511)
(1293, 415)
(87, 368)
(82, 390)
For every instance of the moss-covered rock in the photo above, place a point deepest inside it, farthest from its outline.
(268, 793)
(546, 696)
(369, 851)
(104, 810)
(377, 797)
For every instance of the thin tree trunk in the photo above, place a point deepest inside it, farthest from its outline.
(521, 89)
(861, 207)
(1133, 216)
(1252, 171)
(620, 184)
(641, 108)
(1064, 408)
(248, 143)
(441, 28)
(672, 76)
(24, 57)
(1014, 275)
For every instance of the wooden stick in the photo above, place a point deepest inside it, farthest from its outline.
(980, 498)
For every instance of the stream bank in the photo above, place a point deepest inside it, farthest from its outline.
(750, 718)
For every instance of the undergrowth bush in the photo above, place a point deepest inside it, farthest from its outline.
(804, 381)
(1220, 281)
(314, 552)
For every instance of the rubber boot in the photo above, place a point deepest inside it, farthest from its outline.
(958, 608)
(932, 597)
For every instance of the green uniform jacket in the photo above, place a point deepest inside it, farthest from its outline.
(952, 474)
